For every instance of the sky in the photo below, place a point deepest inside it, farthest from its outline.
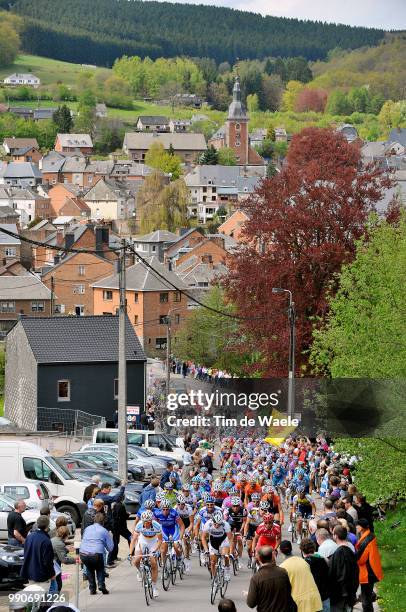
(383, 14)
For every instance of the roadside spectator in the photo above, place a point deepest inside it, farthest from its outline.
(305, 593)
(269, 589)
(95, 493)
(364, 510)
(325, 543)
(349, 508)
(61, 552)
(88, 517)
(88, 492)
(343, 573)
(46, 511)
(96, 539)
(150, 491)
(120, 517)
(16, 525)
(167, 474)
(208, 461)
(369, 564)
(38, 565)
(226, 605)
(319, 569)
(109, 500)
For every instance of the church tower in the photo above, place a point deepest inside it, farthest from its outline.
(237, 137)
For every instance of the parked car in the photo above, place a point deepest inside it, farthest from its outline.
(135, 472)
(158, 463)
(35, 494)
(156, 442)
(110, 456)
(11, 560)
(24, 462)
(132, 489)
(30, 516)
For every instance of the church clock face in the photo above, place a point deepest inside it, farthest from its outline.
(237, 127)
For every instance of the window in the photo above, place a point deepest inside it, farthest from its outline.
(17, 492)
(164, 297)
(153, 249)
(177, 297)
(163, 320)
(36, 469)
(237, 127)
(82, 270)
(7, 307)
(238, 143)
(79, 289)
(160, 343)
(107, 295)
(177, 318)
(115, 386)
(10, 252)
(135, 319)
(37, 307)
(135, 297)
(63, 390)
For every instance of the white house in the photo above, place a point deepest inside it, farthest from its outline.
(17, 79)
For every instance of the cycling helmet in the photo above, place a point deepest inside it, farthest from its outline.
(268, 517)
(300, 490)
(168, 486)
(223, 473)
(204, 469)
(149, 504)
(218, 518)
(255, 496)
(260, 468)
(166, 504)
(210, 499)
(244, 467)
(181, 499)
(185, 487)
(235, 501)
(217, 486)
(196, 479)
(160, 496)
(267, 489)
(264, 505)
(147, 516)
(243, 477)
(253, 480)
(232, 490)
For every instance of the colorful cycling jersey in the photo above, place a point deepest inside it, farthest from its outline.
(216, 532)
(235, 518)
(204, 516)
(149, 532)
(185, 513)
(268, 534)
(168, 521)
(253, 514)
(305, 501)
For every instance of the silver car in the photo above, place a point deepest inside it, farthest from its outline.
(150, 463)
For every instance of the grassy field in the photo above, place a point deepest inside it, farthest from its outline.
(392, 546)
(48, 70)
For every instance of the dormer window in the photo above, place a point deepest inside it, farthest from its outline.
(238, 127)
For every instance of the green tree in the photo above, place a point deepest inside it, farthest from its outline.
(227, 157)
(166, 209)
(110, 136)
(266, 149)
(271, 170)
(293, 89)
(160, 159)
(10, 27)
(252, 103)
(63, 119)
(207, 338)
(209, 157)
(366, 329)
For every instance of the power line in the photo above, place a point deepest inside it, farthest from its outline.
(56, 248)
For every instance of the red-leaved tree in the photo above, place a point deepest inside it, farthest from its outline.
(302, 227)
(311, 100)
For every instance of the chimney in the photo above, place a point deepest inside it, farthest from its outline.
(105, 235)
(99, 237)
(56, 259)
(69, 240)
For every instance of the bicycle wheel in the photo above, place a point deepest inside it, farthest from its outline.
(166, 574)
(223, 583)
(150, 585)
(294, 534)
(181, 568)
(146, 586)
(235, 565)
(174, 569)
(214, 589)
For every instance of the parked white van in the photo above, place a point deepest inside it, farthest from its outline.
(156, 442)
(22, 461)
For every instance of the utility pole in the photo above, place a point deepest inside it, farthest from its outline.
(168, 352)
(122, 369)
(291, 379)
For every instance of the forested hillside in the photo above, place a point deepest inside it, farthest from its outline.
(99, 31)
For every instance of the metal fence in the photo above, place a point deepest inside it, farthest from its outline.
(68, 421)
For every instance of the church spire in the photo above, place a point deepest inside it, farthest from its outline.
(236, 109)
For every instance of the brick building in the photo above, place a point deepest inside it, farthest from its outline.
(233, 225)
(22, 295)
(74, 143)
(149, 302)
(71, 281)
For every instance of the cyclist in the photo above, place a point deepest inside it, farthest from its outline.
(219, 494)
(190, 499)
(275, 506)
(202, 517)
(217, 540)
(172, 527)
(253, 520)
(186, 513)
(147, 535)
(170, 494)
(236, 516)
(250, 488)
(279, 480)
(267, 533)
(304, 506)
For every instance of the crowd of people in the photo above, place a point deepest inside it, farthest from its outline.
(232, 500)
(197, 370)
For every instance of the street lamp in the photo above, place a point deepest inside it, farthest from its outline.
(291, 319)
